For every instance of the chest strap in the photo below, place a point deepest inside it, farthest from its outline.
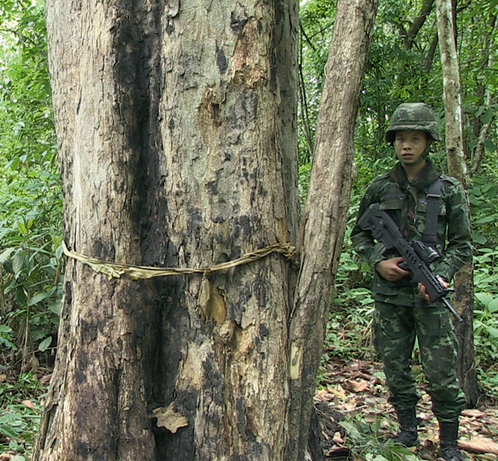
(431, 220)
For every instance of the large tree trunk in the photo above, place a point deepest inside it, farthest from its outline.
(176, 127)
(327, 205)
(458, 168)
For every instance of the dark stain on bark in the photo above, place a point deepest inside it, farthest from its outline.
(68, 293)
(263, 330)
(221, 60)
(138, 76)
(241, 416)
(238, 18)
(213, 381)
(80, 376)
(158, 318)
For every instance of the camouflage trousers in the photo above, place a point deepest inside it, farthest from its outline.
(395, 331)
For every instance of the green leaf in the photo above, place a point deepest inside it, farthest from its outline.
(493, 306)
(490, 145)
(8, 431)
(55, 307)
(474, 200)
(39, 297)
(493, 332)
(18, 263)
(45, 344)
(22, 228)
(485, 219)
(352, 431)
(5, 329)
(5, 255)
(484, 298)
(479, 238)
(487, 117)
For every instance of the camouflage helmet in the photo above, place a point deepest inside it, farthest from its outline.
(413, 116)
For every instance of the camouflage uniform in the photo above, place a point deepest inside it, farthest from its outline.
(400, 314)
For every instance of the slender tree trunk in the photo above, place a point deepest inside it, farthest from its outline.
(482, 129)
(176, 128)
(326, 207)
(458, 168)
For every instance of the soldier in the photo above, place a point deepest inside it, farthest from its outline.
(430, 207)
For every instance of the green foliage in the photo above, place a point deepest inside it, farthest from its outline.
(483, 196)
(370, 444)
(485, 317)
(19, 415)
(348, 330)
(403, 69)
(30, 199)
(6, 339)
(304, 182)
(316, 25)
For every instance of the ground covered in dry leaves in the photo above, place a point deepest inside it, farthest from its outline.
(354, 420)
(355, 391)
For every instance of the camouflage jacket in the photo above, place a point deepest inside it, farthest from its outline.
(405, 200)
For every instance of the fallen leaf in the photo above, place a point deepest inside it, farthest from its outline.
(473, 413)
(358, 386)
(28, 403)
(339, 392)
(6, 456)
(487, 456)
(474, 425)
(169, 418)
(323, 396)
(479, 445)
(45, 380)
(337, 439)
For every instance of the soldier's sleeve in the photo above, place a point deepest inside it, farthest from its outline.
(362, 239)
(459, 247)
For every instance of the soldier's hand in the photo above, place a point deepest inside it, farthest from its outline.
(422, 291)
(390, 270)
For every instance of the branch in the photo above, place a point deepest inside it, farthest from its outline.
(417, 24)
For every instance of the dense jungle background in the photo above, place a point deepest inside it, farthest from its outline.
(404, 65)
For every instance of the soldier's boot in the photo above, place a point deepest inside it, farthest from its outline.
(407, 435)
(448, 435)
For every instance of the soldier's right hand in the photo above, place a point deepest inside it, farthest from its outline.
(390, 270)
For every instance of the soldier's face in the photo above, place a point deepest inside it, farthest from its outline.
(410, 145)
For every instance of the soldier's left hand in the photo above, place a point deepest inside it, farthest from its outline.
(422, 290)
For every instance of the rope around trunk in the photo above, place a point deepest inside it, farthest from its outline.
(115, 270)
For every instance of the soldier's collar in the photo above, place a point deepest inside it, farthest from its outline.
(425, 176)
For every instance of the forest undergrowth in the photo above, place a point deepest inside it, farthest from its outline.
(355, 417)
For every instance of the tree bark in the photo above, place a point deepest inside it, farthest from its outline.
(176, 127)
(458, 168)
(323, 226)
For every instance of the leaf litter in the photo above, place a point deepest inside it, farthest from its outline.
(357, 389)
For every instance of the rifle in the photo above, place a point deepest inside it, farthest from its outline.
(416, 255)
